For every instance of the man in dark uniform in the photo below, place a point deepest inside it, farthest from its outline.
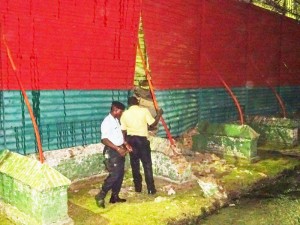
(134, 123)
(114, 152)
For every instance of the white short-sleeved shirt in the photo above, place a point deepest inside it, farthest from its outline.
(111, 129)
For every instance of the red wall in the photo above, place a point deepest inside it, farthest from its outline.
(69, 44)
(247, 45)
(243, 44)
(290, 54)
(223, 43)
(92, 44)
(263, 48)
(172, 34)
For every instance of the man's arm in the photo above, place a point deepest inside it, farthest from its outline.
(122, 151)
(128, 146)
(157, 118)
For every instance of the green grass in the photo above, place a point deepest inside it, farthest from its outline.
(186, 203)
(142, 208)
(263, 212)
(4, 220)
(245, 174)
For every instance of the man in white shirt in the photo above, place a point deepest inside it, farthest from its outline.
(114, 152)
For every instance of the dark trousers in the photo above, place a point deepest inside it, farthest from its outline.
(141, 151)
(114, 164)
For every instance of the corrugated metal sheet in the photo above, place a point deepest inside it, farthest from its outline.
(184, 108)
(72, 118)
(2, 131)
(65, 118)
(180, 110)
(17, 125)
(223, 43)
(263, 54)
(261, 101)
(92, 45)
(236, 34)
(290, 60)
(217, 106)
(290, 96)
(172, 38)
(70, 44)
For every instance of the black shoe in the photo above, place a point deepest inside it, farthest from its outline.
(100, 202)
(152, 191)
(116, 198)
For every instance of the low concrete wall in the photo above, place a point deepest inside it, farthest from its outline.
(167, 163)
(226, 139)
(83, 162)
(78, 162)
(279, 132)
(31, 192)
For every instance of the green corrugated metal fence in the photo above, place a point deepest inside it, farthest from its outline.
(291, 98)
(261, 101)
(72, 118)
(217, 106)
(181, 110)
(2, 131)
(65, 118)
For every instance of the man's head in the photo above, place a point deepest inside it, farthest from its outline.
(117, 109)
(133, 101)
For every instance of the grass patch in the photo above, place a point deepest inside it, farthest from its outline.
(252, 212)
(245, 174)
(145, 209)
(140, 208)
(4, 220)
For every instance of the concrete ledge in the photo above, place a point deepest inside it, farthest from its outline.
(226, 139)
(35, 190)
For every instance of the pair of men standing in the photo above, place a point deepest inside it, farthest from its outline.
(129, 136)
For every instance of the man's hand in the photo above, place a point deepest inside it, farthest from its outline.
(160, 112)
(128, 147)
(157, 118)
(122, 151)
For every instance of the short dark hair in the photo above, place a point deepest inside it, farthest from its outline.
(118, 105)
(133, 101)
